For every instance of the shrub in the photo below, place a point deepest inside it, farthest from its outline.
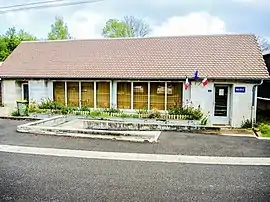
(49, 104)
(142, 111)
(246, 124)
(204, 120)
(190, 112)
(95, 113)
(15, 112)
(111, 110)
(154, 114)
(265, 129)
(85, 108)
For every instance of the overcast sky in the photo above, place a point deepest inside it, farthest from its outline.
(166, 17)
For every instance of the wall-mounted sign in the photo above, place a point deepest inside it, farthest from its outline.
(240, 89)
(221, 92)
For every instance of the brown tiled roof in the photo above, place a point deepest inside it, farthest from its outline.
(216, 56)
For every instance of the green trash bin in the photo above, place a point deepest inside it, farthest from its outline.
(22, 106)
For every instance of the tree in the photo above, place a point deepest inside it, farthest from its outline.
(138, 27)
(264, 44)
(10, 40)
(59, 30)
(129, 27)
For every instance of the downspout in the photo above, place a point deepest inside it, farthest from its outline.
(253, 102)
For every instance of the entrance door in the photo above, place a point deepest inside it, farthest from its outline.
(25, 92)
(0, 94)
(221, 106)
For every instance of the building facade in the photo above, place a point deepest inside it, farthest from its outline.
(141, 74)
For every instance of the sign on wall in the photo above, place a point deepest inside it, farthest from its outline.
(241, 89)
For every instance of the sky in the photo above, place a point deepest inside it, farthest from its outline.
(165, 17)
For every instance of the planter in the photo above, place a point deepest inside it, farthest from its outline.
(22, 106)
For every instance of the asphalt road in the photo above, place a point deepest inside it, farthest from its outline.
(45, 178)
(169, 143)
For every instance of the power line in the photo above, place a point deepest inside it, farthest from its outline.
(49, 6)
(33, 3)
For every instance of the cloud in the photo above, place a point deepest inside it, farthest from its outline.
(199, 23)
(83, 24)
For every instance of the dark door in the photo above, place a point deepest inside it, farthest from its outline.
(25, 92)
(0, 94)
(221, 101)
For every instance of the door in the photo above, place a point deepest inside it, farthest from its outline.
(25, 91)
(222, 104)
(0, 94)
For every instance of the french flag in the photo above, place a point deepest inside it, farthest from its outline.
(187, 84)
(205, 81)
(196, 75)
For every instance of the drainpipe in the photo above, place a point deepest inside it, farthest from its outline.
(253, 101)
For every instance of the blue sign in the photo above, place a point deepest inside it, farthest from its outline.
(240, 89)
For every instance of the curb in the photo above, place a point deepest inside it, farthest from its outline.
(20, 118)
(263, 138)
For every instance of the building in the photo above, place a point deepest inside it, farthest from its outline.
(141, 73)
(264, 91)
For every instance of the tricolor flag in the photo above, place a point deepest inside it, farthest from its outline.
(196, 75)
(205, 81)
(186, 84)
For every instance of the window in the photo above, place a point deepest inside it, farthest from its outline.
(140, 95)
(59, 92)
(174, 95)
(124, 95)
(87, 90)
(157, 95)
(73, 94)
(103, 95)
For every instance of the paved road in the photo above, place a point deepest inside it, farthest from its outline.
(27, 177)
(45, 178)
(170, 143)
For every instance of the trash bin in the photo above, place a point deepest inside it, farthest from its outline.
(22, 106)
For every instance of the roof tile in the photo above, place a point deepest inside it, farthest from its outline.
(216, 56)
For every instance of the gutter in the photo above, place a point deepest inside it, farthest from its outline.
(253, 101)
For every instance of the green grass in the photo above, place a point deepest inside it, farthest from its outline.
(265, 129)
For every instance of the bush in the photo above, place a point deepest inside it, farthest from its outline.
(190, 112)
(204, 120)
(95, 113)
(112, 110)
(15, 112)
(85, 108)
(49, 104)
(246, 124)
(265, 129)
(154, 114)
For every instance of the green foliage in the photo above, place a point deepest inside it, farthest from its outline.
(265, 129)
(112, 110)
(59, 30)
(246, 123)
(142, 111)
(204, 120)
(129, 27)
(49, 104)
(15, 112)
(154, 114)
(95, 113)
(85, 108)
(190, 112)
(11, 39)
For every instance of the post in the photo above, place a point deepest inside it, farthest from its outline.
(95, 94)
(166, 96)
(132, 98)
(80, 94)
(149, 94)
(66, 97)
